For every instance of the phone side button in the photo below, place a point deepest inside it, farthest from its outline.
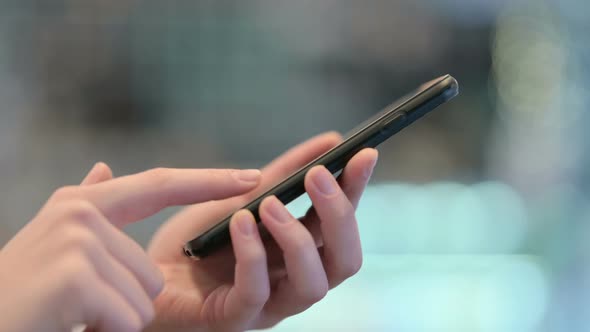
(395, 120)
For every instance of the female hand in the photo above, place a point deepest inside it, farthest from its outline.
(262, 282)
(73, 265)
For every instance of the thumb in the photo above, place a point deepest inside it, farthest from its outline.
(99, 173)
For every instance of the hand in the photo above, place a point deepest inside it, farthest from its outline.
(261, 283)
(72, 265)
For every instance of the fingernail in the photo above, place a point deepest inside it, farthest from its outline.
(245, 224)
(248, 175)
(325, 182)
(278, 211)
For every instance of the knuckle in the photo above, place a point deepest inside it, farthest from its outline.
(231, 174)
(315, 293)
(82, 211)
(219, 175)
(356, 266)
(347, 212)
(79, 239)
(350, 268)
(253, 257)
(301, 242)
(159, 175)
(65, 193)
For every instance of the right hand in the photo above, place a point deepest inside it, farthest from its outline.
(73, 265)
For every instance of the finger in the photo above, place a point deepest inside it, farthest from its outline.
(353, 181)
(357, 173)
(122, 282)
(251, 288)
(287, 164)
(283, 166)
(131, 198)
(342, 253)
(87, 217)
(306, 281)
(99, 173)
(106, 310)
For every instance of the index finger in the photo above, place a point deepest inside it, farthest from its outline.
(286, 164)
(292, 160)
(135, 197)
(298, 156)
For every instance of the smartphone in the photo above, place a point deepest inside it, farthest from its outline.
(391, 120)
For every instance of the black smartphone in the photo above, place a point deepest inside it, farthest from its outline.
(370, 133)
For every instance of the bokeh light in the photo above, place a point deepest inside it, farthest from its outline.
(419, 242)
(435, 293)
(529, 62)
(477, 215)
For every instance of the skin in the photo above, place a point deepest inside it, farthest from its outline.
(256, 284)
(74, 265)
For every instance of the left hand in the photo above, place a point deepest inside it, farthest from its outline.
(260, 284)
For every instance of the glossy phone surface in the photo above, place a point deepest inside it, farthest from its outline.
(391, 120)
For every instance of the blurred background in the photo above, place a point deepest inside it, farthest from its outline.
(477, 216)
